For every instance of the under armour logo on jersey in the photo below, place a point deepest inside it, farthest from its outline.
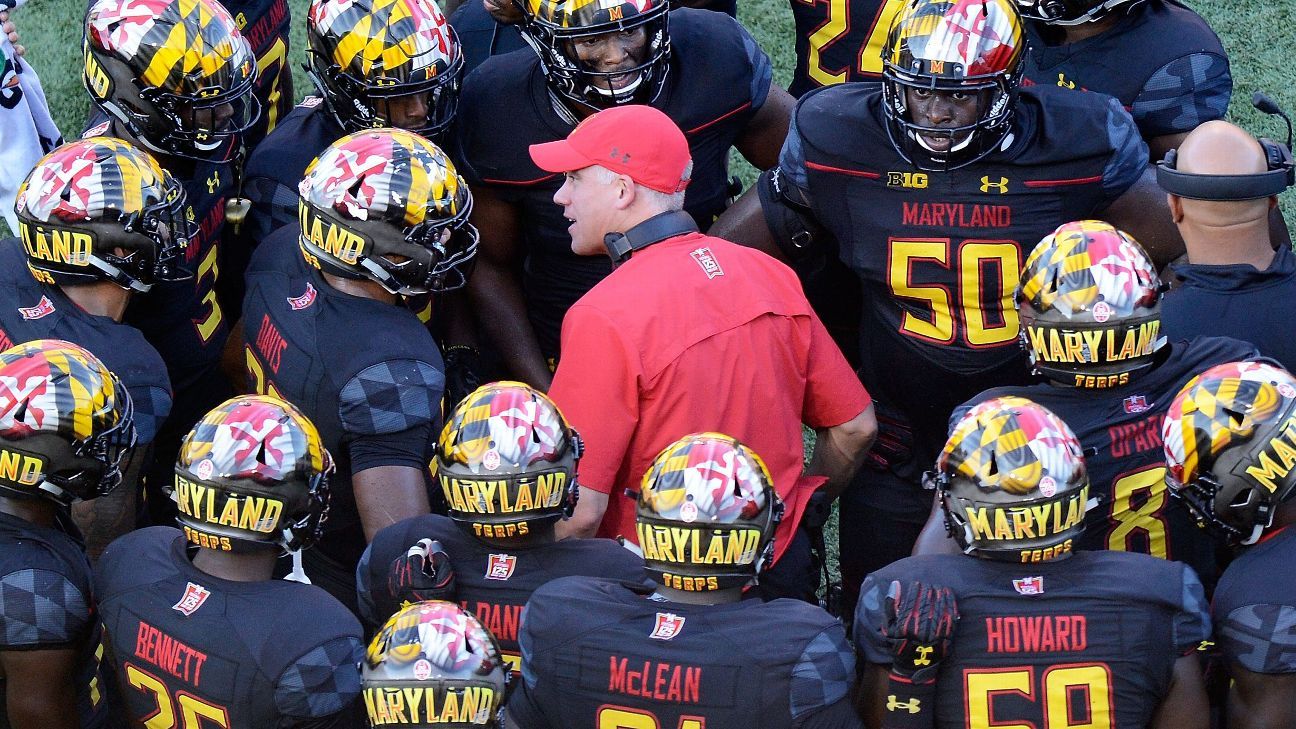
(500, 566)
(913, 706)
(1136, 404)
(193, 598)
(1000, 186)
(705, 259)
(213, 182)
(43, 308)
(1062, 81)
(1029, 585)
(923, 652)
(667, 626)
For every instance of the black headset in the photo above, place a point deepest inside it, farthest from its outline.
(1280, 175)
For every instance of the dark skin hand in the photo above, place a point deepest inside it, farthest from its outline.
(385, 495)
(104, 519)
(39, 691)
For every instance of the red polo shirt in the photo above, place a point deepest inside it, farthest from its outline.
(698, 334)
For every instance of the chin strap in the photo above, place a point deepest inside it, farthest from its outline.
(653, 230)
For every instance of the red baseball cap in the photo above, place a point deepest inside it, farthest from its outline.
(634, 140)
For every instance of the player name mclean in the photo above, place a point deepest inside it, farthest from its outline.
(655, 680)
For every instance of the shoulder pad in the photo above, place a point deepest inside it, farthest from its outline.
(391, 396)
(322, 682)
(41, 608)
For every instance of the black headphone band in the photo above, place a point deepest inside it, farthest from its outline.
(1280, 176)
(653, 230)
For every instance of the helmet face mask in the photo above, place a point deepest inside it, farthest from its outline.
(573, 40)
(1012, 482)
(385, 64)
(1071, 12)
(930, 51)
(1228, 438)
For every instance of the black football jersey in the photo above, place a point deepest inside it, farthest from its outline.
(366, 373)
(184, 320)
(1161, 61)
(243, 655)
(265, 25)
(491, 582)
(600, 653)
(1236, 301)
(31, 310)
(718, 81)
(938, 254)
(839, 41)
(1120, 432)
(1092, 638)
(480, 37)
(1255, 606)
(47, 602)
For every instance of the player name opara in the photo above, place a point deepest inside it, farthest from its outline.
(257, 513)
(425, 705)
(1036, 634)
(1094, 345)
(655, 680)
(694, 546)
(492, 497)
(960, 215)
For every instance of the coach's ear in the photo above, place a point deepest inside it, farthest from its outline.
(1175, 203)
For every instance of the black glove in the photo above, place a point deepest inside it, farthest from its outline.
(920, 622)
(462, 368)
(422, 573)
(893, 446)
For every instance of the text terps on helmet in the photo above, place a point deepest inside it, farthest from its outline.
(968, 46)
(1230, 446)
(506, 461)
(706, 515)
(252, 471)
(365, 53)
(89, 197)
(384, 193)
(1012, 482)
(175, 73)
(1090, 305)
(1071, 12)
(554, 27)
(434, 665)
(66, 423)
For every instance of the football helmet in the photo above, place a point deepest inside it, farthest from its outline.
(506, 461)
(66, 423)
(252, 472)
(707, 512)
(1071, 12)
(1090, 305)
(952, 46)
(366, 56)
(1230, 442)
(90, 197)
(175, 74)
(1012, 482)
(554, 28)
(387, 205)
(433, 664)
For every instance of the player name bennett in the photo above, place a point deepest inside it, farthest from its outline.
(655, 680)
(424, 705)
(1036, 634)
(169, 654)
(960, 215)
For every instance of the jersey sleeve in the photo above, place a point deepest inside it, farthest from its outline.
(823, 674)
(596, 386)
(152, 406)
(41, 609)
(791, 169)
(524, 705)
(869, 618)
(323, 681)
(1260, 637)
(762, 69)
(1129, 157)
(1192, 624)
(388, 412)
(1184, 93)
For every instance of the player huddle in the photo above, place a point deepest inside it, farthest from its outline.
(249, 475)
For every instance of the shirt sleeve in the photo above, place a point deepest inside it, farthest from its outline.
(597, 387)
(1192, 625)
(524, 704)
(41, 609)
(1129, 156)
(152, 406)
(869, 618)
(834, 394)
(1183, 94)
(322, 682)
(823, 674)
(762, 68)
(388, 411)
(1260, 637)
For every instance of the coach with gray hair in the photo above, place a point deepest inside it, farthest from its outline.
(689, 333)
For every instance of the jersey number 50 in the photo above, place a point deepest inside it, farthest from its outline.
(986, 273)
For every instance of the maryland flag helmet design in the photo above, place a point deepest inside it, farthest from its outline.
(447, 658)
(506, 462)
(706, 514)
(384, 193)
(89, 197)
(66, 423)
(364, 54)
(964, 46)
(1230, 446)
(1012, 482)
(1090, 305)
(554, 27)
(252, 472)
(175, 73)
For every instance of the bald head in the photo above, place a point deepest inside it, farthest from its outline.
(1220, 148)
